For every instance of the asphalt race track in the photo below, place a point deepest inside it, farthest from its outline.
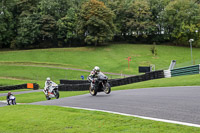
(2, 104)
(171, 103)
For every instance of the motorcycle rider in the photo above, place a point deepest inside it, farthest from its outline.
(93, 74)
(48, 84)
(8, 97)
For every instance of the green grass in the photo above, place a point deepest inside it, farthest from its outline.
(15, 90)
(39, 96)
(11, 75)
(110, 58)
(40, 73)
(189, 80)
(6, 82)
(52, 119)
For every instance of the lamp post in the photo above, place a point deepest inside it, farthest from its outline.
(190, 41)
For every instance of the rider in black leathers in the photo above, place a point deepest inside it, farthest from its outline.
(93, 74)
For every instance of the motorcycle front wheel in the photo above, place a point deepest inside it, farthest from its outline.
(13, 102)
(48, 98)
(93, 91)
(57, 94)
(107, 89)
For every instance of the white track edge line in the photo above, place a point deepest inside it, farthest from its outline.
(143, 117)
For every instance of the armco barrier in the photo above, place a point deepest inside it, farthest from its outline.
(35, 86)
(185, 71)
(16, 87)
(78, 85)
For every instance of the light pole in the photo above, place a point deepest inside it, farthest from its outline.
(190, 41)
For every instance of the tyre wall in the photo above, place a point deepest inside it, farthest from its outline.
(16, 87)
(79, 85)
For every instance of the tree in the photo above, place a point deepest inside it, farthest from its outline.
(55, 8)
(25, 22)
(156, 7)
(181, 19)
(7, 23)
(119, 8)
(28, 30)
(96, 22)
(47, 30)
(139, 20)
(67, 26)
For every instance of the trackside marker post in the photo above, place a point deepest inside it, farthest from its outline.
(129, 59)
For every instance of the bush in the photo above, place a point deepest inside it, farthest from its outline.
(154, 50)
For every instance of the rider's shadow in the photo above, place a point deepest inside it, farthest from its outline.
(99, 95)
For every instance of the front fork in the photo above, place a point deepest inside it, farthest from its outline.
(92, 86)
(45, 93)
(104, 86)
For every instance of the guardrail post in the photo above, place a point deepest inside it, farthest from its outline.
(199, 68)
(167, 73)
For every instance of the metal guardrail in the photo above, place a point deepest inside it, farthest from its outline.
(195, 69)
(185, 71)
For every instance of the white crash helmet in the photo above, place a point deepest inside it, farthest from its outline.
(48, 79)
(97, 69)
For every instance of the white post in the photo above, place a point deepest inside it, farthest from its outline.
(191, 40)
(199, 68)
(167, 73)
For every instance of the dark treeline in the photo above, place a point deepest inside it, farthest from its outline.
(60, 23)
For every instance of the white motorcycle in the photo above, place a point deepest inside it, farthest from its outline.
(52, 92)
(11, 100)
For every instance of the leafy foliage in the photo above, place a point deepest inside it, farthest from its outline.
(67, 26)
(139, 18)
(28, 31)
(7, 23)
(154, 50)
(181, 18)
(96, 22)
(52, 23)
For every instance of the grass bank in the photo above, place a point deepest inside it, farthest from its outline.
(39, 73)
(52, 119)
(110, 58)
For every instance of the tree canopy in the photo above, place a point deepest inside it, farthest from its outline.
(58, 23)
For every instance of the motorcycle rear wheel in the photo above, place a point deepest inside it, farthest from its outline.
(93, 91)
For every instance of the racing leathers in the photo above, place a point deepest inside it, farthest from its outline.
(8, 98)
(93, 77)
(48, 84)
